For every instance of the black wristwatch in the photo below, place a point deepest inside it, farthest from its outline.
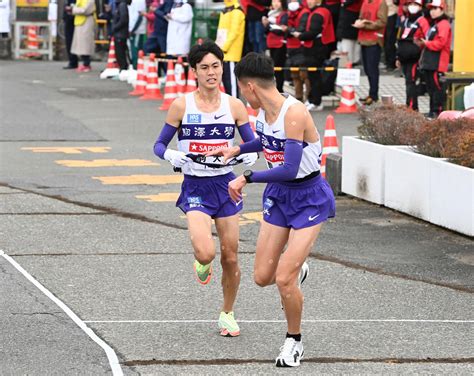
(248, 176)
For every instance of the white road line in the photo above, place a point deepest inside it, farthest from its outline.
(113, 360)
(277, 321)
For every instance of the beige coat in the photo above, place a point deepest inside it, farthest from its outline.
(84, 35)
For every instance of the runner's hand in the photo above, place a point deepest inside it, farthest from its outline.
(248, 159)
(176, 158)
(227, 153)
(235, 188)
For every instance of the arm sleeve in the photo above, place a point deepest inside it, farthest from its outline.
(253, 146)
(166, 135)
(288, 170)
(246, 132)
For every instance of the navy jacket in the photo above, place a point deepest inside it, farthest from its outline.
(161, 24)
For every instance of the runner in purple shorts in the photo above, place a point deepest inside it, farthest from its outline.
(296, 201)
(206, 120)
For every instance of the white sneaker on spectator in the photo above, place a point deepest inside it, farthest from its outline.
(312, 107)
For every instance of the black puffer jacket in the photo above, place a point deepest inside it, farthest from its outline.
(120, 20)
(347, 15)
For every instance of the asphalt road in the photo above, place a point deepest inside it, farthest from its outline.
(87, 211)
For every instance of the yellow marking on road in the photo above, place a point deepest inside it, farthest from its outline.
(253, 216)
(140, 179)
(161, 197)
(68, 149)
(107, 163)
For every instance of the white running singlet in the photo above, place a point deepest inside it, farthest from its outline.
(273, 139)
(200, 132)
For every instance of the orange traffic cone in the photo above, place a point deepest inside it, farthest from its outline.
(170, 88)
(111, 69)
(152, 90)
(191, 84)
(32, 42)
(252, 117)
(180, 77)
(348, 100)
(330, 144)
(140, 84)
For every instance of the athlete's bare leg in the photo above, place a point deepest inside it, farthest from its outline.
(200, 232)
(270, 244)
(300, 243)
(228, 231)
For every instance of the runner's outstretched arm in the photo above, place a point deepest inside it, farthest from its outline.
(175, 113)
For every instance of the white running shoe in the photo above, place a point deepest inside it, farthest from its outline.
(304, 272)
(290, 353)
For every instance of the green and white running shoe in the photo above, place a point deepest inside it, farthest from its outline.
(203, 272)
(227, 325)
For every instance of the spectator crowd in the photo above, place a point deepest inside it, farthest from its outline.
(412, 35)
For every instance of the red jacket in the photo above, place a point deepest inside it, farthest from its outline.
(435, 56)
(294, 20)
(369, 11)
(277, 39)
(327, 34)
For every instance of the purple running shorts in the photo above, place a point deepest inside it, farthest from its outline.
(209, 195)
(298, 205)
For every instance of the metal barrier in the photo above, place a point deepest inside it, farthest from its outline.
(101, 35)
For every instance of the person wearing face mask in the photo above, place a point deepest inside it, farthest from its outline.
(230, 38)
(414, 26)
(297, 19)
(318, 35)
(434, 59)
(273, 23)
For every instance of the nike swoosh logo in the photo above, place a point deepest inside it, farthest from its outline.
(275, 132)
(218, 117)
(313, 218)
